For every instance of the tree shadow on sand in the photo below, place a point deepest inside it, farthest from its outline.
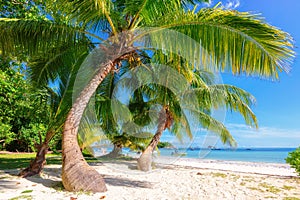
(50, 177)
(124, 182)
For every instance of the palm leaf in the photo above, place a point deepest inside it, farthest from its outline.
(31, 37)
(228, 40)
(211, 124)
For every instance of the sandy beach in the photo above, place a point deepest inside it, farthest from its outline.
(180, 179)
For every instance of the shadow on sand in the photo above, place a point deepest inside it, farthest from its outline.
(123, 182)
(51, 176)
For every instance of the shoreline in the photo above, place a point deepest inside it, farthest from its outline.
(184, 178)
(263, 168)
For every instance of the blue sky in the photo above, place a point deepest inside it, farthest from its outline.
(277, 102)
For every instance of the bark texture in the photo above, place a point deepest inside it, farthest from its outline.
(115, 153)
(164, 121)
(77, 175)
(36, 165)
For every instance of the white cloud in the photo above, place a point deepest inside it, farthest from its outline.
(245, 136)
(228, 4)
(264, 136)
(231, 4)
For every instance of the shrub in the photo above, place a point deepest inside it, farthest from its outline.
(294, 160)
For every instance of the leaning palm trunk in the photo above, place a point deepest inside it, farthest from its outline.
(164, 121)
(77, 175)
(37, 165)
(115, 153)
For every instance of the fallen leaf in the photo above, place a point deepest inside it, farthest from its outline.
(199, 173)
(73, 198)
(18, 183)
(34, 185)
(102, 197)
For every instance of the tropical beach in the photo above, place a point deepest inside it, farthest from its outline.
(183, 179)
(143, 99)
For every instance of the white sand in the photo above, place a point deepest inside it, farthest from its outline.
(183, 179)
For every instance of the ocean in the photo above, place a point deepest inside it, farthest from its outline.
(268, 155)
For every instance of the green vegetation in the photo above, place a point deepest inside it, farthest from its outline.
(242, 183)
(294, 159)
(28, 9)
(222, 175)
(26, 191)
(270, 188)
(22, 197)
(58, 187)
(164, 145)
(21, 160)
(256, 188)
(235, 177)
(286, 187)
(19, 102)
(291, 198)
(50, 39)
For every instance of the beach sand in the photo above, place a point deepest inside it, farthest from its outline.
(180, 179)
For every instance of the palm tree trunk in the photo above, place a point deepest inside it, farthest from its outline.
(36, 165)
(77, 175)
(116, 152)
(145, 160)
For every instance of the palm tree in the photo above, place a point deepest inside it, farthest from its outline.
(230, 40)
(58, 100)
(197, 103)
(110, 127)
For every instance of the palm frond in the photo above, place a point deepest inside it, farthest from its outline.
(208, 122)
(47, 66)
(90, 14)
(219, 96)
(31, 37)
(228, 40)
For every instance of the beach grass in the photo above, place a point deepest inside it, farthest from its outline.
(22, 160)
(291, 198)
(218, 174)
(22, 197)
(287, 187)
(270, 188)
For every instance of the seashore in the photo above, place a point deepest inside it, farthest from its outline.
(182, 178)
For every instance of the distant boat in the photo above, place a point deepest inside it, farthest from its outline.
(213, 148)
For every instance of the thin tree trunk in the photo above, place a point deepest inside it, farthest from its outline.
(116, 152)
(145, 160)
(77, 175)
(36, 165)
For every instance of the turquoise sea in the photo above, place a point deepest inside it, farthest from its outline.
(269, 155)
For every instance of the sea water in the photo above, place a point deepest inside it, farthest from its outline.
(269, 155)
